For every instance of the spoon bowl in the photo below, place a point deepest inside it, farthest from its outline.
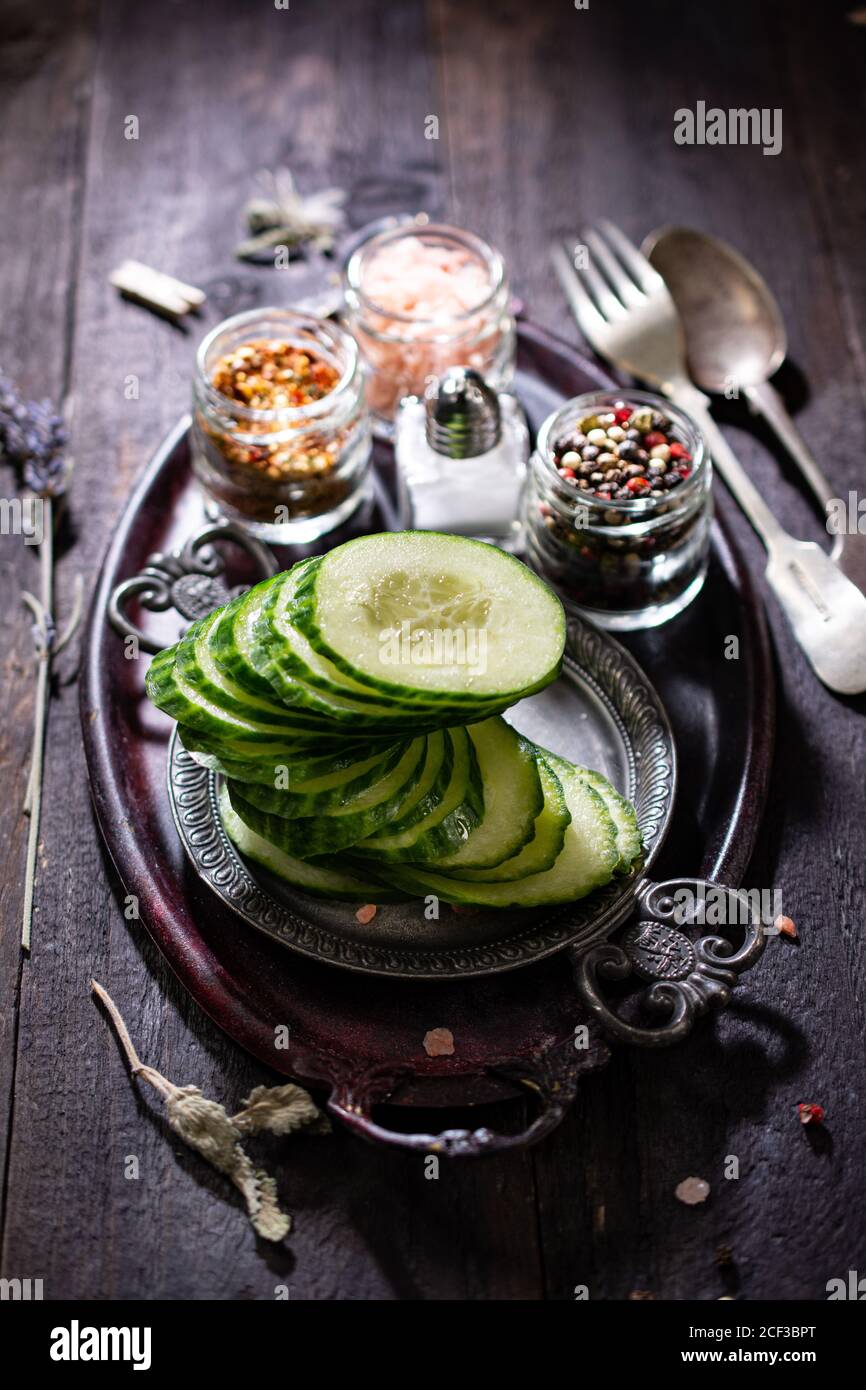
(735, 341)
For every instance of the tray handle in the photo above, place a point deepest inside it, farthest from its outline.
(189, 579)
(686, 976)
(552, 1079)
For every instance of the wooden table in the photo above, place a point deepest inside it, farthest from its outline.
(547, 115)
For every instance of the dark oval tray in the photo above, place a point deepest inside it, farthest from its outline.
(364, 1039)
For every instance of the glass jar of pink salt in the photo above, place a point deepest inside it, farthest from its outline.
(420, 299)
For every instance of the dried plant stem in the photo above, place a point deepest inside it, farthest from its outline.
(33, 798)
(46, 649)
(136, 1066)
(206, 1127)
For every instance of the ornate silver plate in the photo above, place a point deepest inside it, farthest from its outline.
(601, 713)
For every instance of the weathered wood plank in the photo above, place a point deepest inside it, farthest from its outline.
(44, 104)
(559, 119)
(255, 88)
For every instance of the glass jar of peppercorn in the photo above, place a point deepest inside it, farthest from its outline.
(281, 434)
(617, 508)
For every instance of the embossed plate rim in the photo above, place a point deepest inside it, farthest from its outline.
(617, 681)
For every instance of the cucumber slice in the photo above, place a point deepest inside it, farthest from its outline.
(290, 804)
(304, 839)
(268, 760)
(196, 665)
(542, 851)
(168, 690)
(446, 825)
(501, 630)
(513, 798)
(283, 654)
(321, 880)
(257, 667)
(432, 784)
(628, 837)
(586, 861)
(231, 640)
(338, 777)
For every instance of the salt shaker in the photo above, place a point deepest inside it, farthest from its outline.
(462, 452)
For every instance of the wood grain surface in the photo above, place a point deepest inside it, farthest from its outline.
(548, 116)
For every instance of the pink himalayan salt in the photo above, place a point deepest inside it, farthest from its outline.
(439, 286)
(411, 276)
(692, 1191)
(439, 1042)
(366, 913)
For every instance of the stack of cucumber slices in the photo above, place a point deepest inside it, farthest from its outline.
(353, 707)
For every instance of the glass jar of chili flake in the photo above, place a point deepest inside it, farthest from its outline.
(281, 433)
(617, 508)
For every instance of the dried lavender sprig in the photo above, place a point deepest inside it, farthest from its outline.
(32, 439)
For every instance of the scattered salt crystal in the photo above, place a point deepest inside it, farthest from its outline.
(692, 1191)
(439, 1042)
(785, 927)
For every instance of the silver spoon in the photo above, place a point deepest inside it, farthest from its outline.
(735, 337)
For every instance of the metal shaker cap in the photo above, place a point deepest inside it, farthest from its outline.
(463, 418)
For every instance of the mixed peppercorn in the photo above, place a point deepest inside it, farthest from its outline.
(621, 454)
(582, 534)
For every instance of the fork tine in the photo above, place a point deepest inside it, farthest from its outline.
(625, 287)
(631, 258)
(592, 323)
(606, 301)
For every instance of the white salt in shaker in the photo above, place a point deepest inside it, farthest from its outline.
(461, 456)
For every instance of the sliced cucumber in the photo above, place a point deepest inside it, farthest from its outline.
(586, 861)
(432, 784)
(169, 691)
(339, 776)
(513, 798)
(305, 839)
(289, 804)
(501, 630)
(231, 640)
(299, 676)
(286, 654)
(321, 880)
(270, 762)
(196, 665)
(444, 826)
(623, 815)
(541, 852)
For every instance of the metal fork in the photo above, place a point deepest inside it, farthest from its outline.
(625, 311)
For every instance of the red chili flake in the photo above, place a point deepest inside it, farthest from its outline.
(684, 471)
(638, 484)
(653, 438)
(366, 913)
(785, 927)
(623, 415)
(679, 451)
(810, 1114)
(439, 1042)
